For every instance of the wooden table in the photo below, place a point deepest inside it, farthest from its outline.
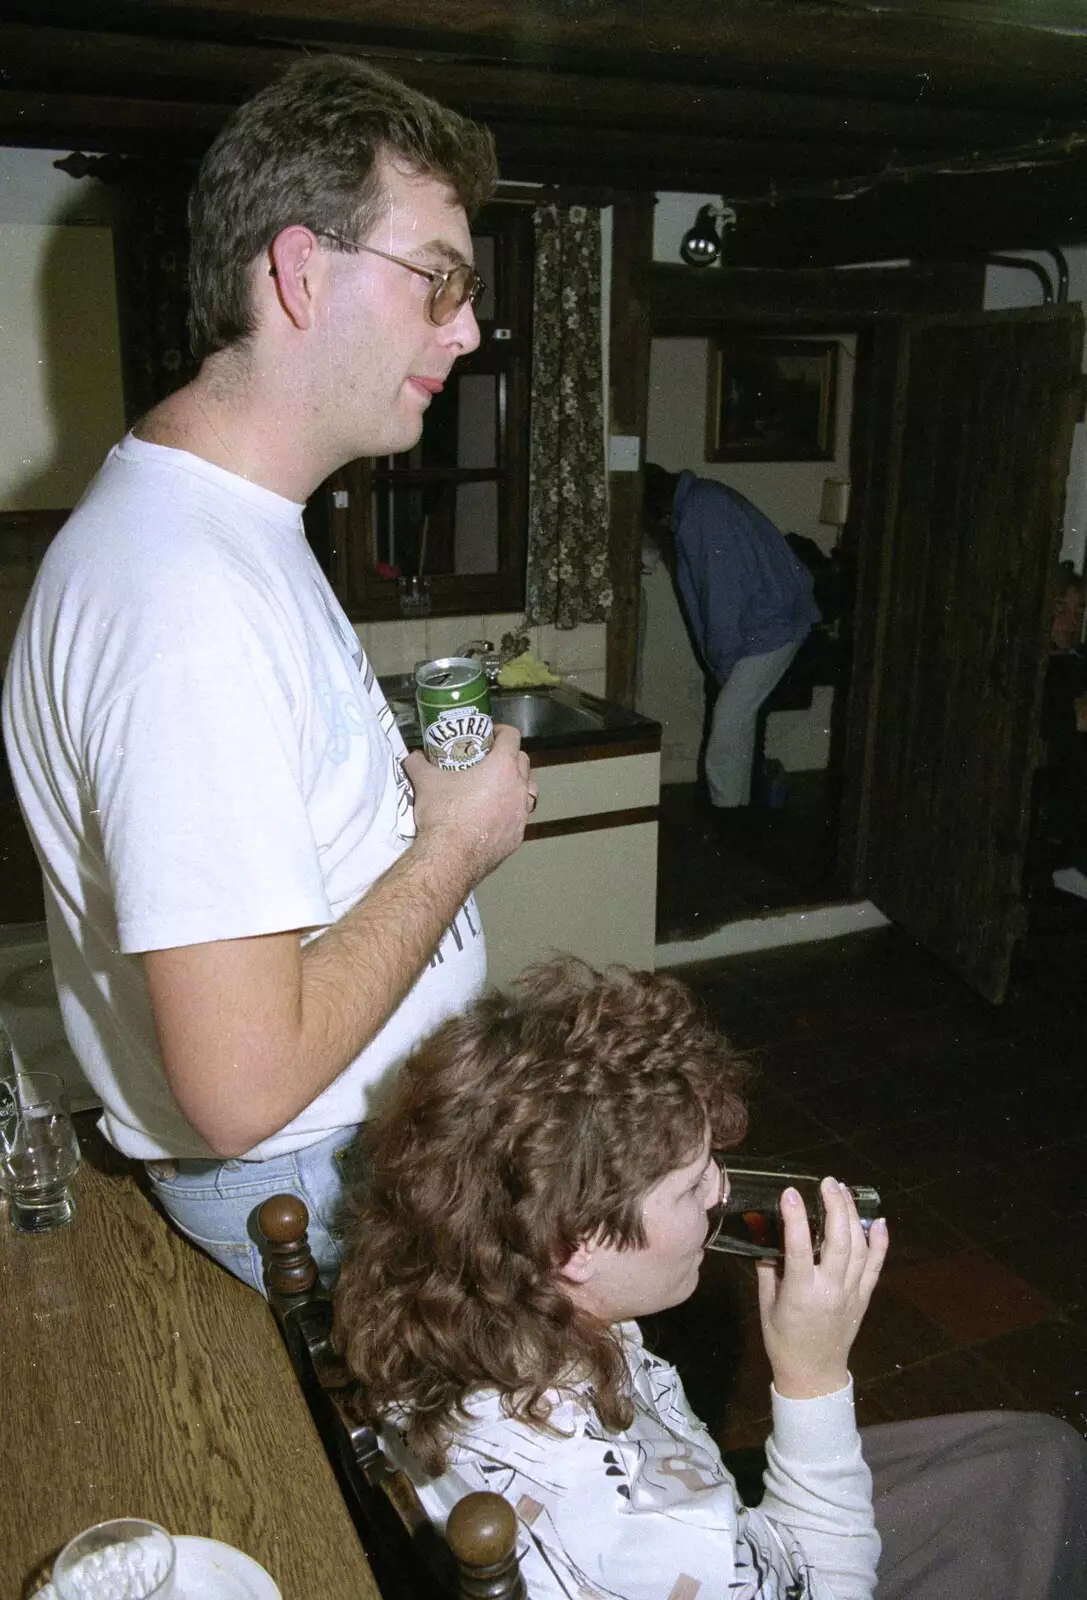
(139, 1379)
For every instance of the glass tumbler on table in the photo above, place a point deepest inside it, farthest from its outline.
(39, 1153)
(127, 1559)
(746, 1221)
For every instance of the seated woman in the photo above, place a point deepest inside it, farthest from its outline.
(540, 1178)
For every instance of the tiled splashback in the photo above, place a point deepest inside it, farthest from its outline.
(578, 654)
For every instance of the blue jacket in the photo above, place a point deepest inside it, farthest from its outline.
(744, 591)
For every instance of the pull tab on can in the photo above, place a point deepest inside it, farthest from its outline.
(454, 712)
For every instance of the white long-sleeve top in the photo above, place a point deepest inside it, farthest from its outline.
(651, 1513)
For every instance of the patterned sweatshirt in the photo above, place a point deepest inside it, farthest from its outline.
(651, 1513)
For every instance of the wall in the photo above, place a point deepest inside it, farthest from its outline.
(1007, 289)
(61, 402)
(58, 332)
(788, 492)
(577, 654)
(670, 681)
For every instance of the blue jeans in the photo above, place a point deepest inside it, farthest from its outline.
(215, 1203)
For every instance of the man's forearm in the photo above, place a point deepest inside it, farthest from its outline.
(359, 970)
(252, 1030)
(276, 1022)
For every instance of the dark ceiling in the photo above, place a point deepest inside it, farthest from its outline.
(838, 130)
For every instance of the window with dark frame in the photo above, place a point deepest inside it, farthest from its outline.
(458, 502)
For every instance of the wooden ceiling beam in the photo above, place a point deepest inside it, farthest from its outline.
(673, 159)
(722, 119)
(533, 153)
(1003, 210)
(917, 54)
(46, 121)
(63, 60)
(942, 218)
(63, 86)
(688, 301)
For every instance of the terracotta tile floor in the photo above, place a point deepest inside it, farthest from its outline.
(877, 1064)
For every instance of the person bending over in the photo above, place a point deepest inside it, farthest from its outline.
(540, 1179)
(748, 601)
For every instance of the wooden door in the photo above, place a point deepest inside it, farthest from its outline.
(962, 526)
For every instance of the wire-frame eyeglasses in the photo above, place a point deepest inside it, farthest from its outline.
(449, 289)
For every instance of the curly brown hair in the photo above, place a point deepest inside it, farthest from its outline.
(534, 1121)
(306, 150)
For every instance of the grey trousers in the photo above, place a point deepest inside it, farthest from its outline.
(988, 1505)
(730, 748)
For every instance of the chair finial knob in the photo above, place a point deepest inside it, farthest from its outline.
(482, 1533)
(283, 1219)
(289, 1267)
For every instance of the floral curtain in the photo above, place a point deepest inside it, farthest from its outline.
(568, 576)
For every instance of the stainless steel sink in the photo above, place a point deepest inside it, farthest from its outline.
(556, 714)
(540, 713)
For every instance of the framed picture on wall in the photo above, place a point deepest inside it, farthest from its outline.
(771, 399)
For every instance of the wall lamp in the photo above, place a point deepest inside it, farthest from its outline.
(701, 244)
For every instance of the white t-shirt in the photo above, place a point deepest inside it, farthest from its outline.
(202, 752)
(651, 1513)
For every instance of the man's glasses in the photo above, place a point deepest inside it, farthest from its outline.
(448, 290)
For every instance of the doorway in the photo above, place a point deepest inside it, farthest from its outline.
(718, 866)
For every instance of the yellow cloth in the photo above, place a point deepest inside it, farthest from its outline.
(526, 671)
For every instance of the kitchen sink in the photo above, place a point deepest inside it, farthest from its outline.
(542, 713)
(547, 718)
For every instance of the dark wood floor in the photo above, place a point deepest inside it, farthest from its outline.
(878, 1065)
(715, 866)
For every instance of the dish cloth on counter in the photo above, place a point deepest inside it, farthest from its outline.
(526, 671)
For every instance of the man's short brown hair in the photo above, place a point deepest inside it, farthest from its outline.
(306, 150)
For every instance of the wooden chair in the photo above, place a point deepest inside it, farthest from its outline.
(410, 1560)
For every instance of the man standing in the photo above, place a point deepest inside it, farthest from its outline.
(256, 904)
(748, 602)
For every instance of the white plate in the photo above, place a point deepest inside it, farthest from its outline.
(208, 1570)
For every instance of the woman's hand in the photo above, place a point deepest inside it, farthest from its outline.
(811, 1311)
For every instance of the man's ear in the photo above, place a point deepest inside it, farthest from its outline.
(297, 268)
(581, 1265)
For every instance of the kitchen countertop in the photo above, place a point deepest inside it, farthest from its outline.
(585, 724)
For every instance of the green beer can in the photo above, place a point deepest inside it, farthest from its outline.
(454, 712)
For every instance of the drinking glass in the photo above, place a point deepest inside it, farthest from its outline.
(747, 1221)
(127, 1559)
(7, 1072)
(39, 1153)
(414, 596)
